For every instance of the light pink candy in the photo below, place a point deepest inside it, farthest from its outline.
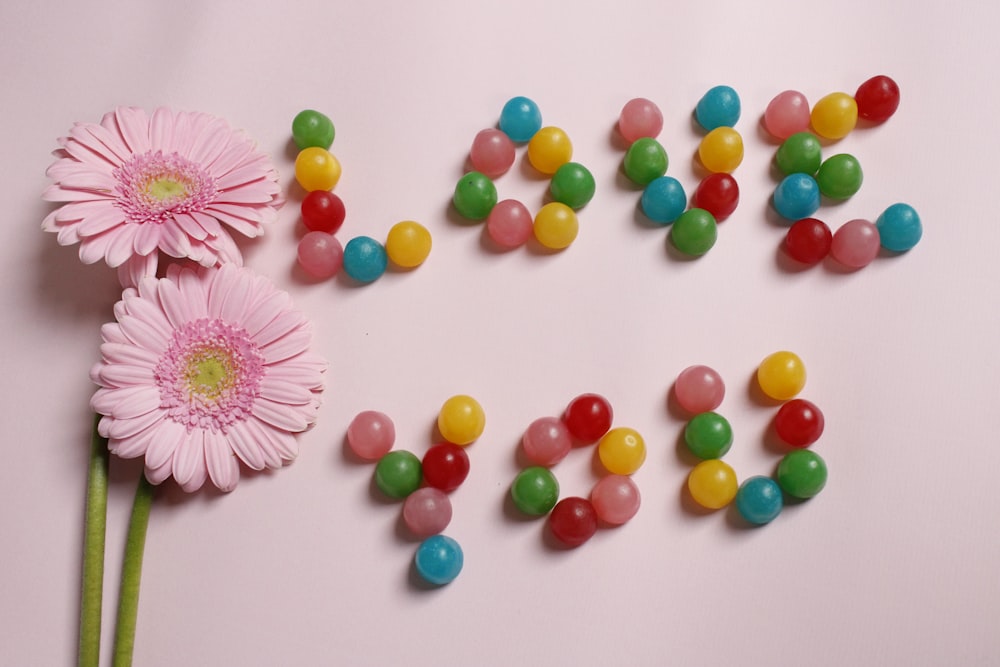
(492, 153)
(320, 254)
(547, 441)
(640, 118)
(371, 435)
(787, 114)
(427, 511)
(856, 243)
(510, 224)
(699, 389)
(616, 499)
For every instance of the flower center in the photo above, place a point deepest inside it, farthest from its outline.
(153, 186)
(209, 375)
(166, 188)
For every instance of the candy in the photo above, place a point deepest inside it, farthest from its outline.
(640, 118)
(427, 511)
(856, 243)
(549, 149)
(899, 228)
(708, 435)
(398, 474)
(699, 389)
(787, 114)
(719, 107)
(509, 224)
(320, 254)
(492, 153)
(556, 226)
(408, 244)
(759, 500)
(475, 196)
(316, 169)
(573, 185)
(796, 197)
(520, 119)
(719, 194)
(802, 473)
(365, 259)
(461, 420)
(877, 98)
(800, 153)
(645, 160)
(834, 116)
(622, 450)
(712, 484)
(438, 560)
(808, 241)
(663, 200)
(547, 441)
(694, 232)
(535, 490)
(615, 499)
(312, 129)
(840, 176)
(781, 375)
(799, 423)
(323, 211)
(573, 521)
(445, 466)
(588, 417)
(721, 150)
(371, 435)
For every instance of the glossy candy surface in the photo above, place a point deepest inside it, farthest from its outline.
(719, 107)
(371, 435)
(808, 241)
(547, 441)
(616, 499)
(323, 211)
(588, 417)
(573, 185)
(475, 196)
(556, 226)
(834, 116)
(840, 176)
(312, 129)
(781, 375)
(408, 244)
(510, 224)
(365, 259)
(721, 150)
(712, 484)
(799, 422)
(445, 466)
(316, 169)
(877, 98)
(694, 232)
(802, 473)
(708, 435)
(535, 490)
(320, 254)
(719, 194)
(855, 243)
(759, 500)
(699, 389)
(398, 473)
(645, 160)
(549, 149)
(663, 200)
(640, 118)
(461, 420)
(520, 119)
(899, 227)
(800, 153)
(796, 197)
(427, 511)
(622, 450)
(573, 521)
(492, 153)
(439, 560)
(787, 114)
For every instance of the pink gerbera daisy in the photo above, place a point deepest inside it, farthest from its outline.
(204, 369)
(174, 181)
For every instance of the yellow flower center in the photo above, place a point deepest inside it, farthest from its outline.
(165, 188)
(209, 374)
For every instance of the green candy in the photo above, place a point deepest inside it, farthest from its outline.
(475, 196)
(709, 435)
(398, 474)
(694, 232)
(840, 176)
(800, 153)
(645, 161)
(573, 185)
(535, 491)
(311, 128)
(802, 473)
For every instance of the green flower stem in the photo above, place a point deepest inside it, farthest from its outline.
(95, 522)
(128, 594)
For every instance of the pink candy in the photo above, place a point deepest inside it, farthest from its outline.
(510, 224)
(640, 118)
(615, 499)
(855, 243)
(787, 114)
(427, 511)
(547, 441)
(371, 435)
(320, 254)
(699, 389)
(492, 153)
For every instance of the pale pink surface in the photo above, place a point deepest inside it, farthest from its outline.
(427, 511)
(855, 243)
(371, 434)
(547, 441)
(492, 152)
(510, 224)
(787, 114)
(616, 499)
(640, 118)
(320, 254)
(699, 389)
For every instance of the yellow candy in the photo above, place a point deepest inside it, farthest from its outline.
(461, 420)
(556, 226)
(835, 116)
(712, 484)
(408, 244)
(622, 450)
(781, 375)
(549, 149)
(721, 151)
(316, 169)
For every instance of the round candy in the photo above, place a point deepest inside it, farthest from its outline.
(445, 466)
(694, 232)
(781, 375)
(719, 107)
(398, 474)
(549, 149)
(427, 511)
(616, 499)
(640, 118)
(899, 228)
(316, 169)
(556, 226)
(535, 490)
(438, 560)
(645, 160)
(834, 116)
(787, 114)
(712, 484)
(799, 423)
(461, 420)
(721, 150)
(808, 241)
(840, 176)
(510, 224)
(547, 441)
(663, 200)
(802, 473)
(492, 153)
(877, 98)
(573, 521)
(796, 197)
(719, 194)
(323, 211)
(311, 128)
(408, 244)
(800, 153)
(573, 185)
(520, 119)
(588, 417)
(855, 243)
(320, 254)
(759, 500)
(475, 196)
(699, 389)
(371, 435)
(708, 435)
(622, 450)
(365, 259)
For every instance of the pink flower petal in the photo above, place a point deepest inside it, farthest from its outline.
(208, 223)
(218, 289)
(281, 391)
(174, 241)
(169, 435)
(263, 436)
(126, 375)
(142, 334)
(125, 428)
(189, 225)
(210, 144)
(147, 238)
(134, 127)
(101, 220)
(189, 461)
(150, 313)
(287, 346)
(241, 175)
(278, 416)
(238, 149)
(265, 311)
(223, 466)
(133, 446)
(123, 353)
(157, 476)
(161, 129)
(175, 306)
(238, 222)
(120, 245)
(248, 449)
(286, 444)
(128, 403)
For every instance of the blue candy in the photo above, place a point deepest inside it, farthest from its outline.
(759, 500)
(520, 119)
(663, 200)
(438, 560)
(365, 259)
(796, 197)
(899, 228)
(720, 107)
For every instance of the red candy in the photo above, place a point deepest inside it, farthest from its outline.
(445, 466)
(718, 194)
(323, 211)
(799, 423)
(573, 521)
(588, 417)
(877, 99)
(808, 241)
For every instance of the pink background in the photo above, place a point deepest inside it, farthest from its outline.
(896, 562)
